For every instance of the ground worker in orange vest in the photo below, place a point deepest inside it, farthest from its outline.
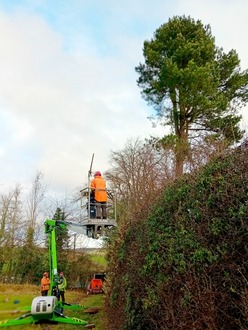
(45, 284)
(98, 186)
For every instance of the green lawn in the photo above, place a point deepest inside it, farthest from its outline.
(99, 258)
(15, 300)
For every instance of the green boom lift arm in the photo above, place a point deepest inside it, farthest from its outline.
(48, 308)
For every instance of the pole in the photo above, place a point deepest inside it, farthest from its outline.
(89, 174)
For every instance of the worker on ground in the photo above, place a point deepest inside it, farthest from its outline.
(98, 186)
(62, 286)
(45, 284)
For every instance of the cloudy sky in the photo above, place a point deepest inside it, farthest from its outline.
(68, 84)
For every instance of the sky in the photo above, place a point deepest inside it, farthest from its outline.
(68, 85)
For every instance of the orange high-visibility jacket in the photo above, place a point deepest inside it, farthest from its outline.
(45, 283)
(98, 184)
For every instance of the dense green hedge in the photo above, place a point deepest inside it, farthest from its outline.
(185, 266)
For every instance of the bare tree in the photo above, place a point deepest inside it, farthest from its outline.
(34, 203)
(10, 216)
(10, 232)
(137, 173)
(70, 205)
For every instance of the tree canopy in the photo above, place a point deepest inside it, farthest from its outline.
(195, 87)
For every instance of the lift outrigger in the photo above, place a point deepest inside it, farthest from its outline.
(96, 228)
(48, 308)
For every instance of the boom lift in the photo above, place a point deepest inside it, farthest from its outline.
(96, 228)
(48, 308)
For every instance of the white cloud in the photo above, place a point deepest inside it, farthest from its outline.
(65, 95)
(69, 104)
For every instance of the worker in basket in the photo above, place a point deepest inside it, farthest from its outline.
(98, 188)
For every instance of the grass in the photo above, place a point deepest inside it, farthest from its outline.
(99, 259)
(15, 298)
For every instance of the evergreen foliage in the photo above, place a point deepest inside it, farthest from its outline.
(196, 88)
(185, 265)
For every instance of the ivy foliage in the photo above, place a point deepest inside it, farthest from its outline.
(185, 265)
